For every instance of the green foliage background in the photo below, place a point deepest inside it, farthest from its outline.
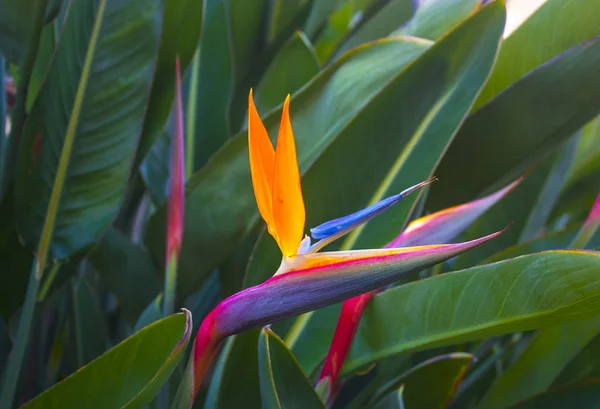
(385, 93)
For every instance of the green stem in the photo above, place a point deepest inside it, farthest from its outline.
(190, 126)
(170, 285)
(15, 359)
(8, 145)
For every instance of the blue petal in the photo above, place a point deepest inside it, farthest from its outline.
(342, 225)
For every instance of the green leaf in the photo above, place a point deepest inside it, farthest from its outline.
(391, 16)
(318, 15)
(282, 13)
(570, 21)
(587, 156)
(583, 366)
(128, 271)
(42, 62)
(181, 26)
(551, 189)
(238, 360)
(433, 18)
(528, 292)
(553, 241)
(525, 209)
(293, 66)
(214, 87)
(91, 333)
(16, 25)
(80, 137)
(444, 80)
(536, 368)
(439, 377)
(249, 20)
(559, 97)
(212, 230)
(128, 375)
(282, 382)
(155, 168)
(152, 313)
(583, 395)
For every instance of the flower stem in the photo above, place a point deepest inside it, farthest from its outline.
(170, 285)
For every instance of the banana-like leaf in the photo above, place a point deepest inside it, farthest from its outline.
(238, 360)
(181, 26)
(128, 271)
(320, 11)
(527, 208)
(282, 14)
(528, 292)
(16, 24)
(497, 143)
(587, 156)
(583, 366)
(282, 383)
(582, 395)
(387, 19)
(540, 363)
(553, 241)
(434, 18)
(128, 375)
(293, 66)
(412, 137)
(80, 136)
(550, 350)
(439, 377)
(214, 86)
(91, 332)
(571, 22)
(212, 230)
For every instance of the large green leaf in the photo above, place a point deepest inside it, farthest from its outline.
(238, 361)
(17, 24)
(318, 15)
(91, 333)
(387, 19)
(128, 375)
(282, 13)
(80, 137)
(434, 18)
(587, 156)
(293, 66)
(584, 366)
(525, 209)
(215, 71)
(399, 138)
(220, 204)
(439, 376)
(497, 142)
(534, 291)
(548, 353)
(128, 271)
(584, 395)
(544, 357)
(283, 385)
(569, 21)
(181, 26)
(553, 241)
